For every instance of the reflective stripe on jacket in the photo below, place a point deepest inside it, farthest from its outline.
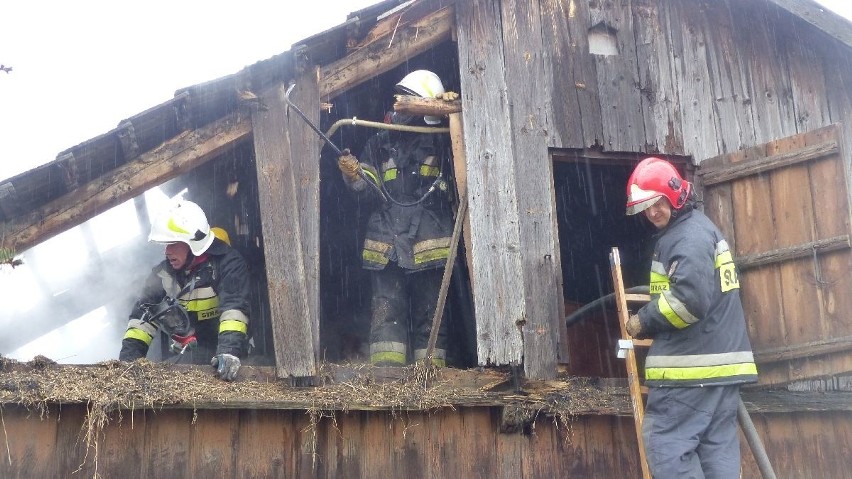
(415, 237)
(695, 315)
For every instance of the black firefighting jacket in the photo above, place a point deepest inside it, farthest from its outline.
(695, 315)
(406, 165)
(217, 302)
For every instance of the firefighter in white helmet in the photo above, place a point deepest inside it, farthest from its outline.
(701, 352)
(408, 234)
(199, 295)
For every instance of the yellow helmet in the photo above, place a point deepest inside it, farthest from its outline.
(221, 234)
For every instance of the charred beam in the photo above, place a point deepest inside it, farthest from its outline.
(402, 43)
(171, 159)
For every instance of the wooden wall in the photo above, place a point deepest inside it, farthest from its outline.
(699, 78)
(448, 443)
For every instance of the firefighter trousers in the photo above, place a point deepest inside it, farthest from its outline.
(692, 432)
(403, 305)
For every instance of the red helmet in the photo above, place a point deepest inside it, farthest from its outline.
(652, 178)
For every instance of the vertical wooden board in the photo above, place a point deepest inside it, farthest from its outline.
(576, 108)
(348, 461)
(689, 43)
(511, 459)
(305, 157)
(31, 454)
(121, 445)
(754, 223)
(375, 447)
(772, 108)
(618, 81)
(492, 195)
(533, 168)
(71, 449)
(728, 84)
(213, 443)
(167, 458)
(261, 446)
(658, 84)
(285, 265)
(838, 71)
(807, 80)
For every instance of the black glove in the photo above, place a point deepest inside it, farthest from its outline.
(226, 366)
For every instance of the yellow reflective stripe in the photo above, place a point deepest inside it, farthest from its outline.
(388, 356)
(371, 175)
(134, 333)
(174, 227)
(426, 170)
(701, 372)
(724, 258)
(201, 304)
(390, 174)
(659, 283)
(431, 255)
(669, 313)
(374, 257)
(237, 326)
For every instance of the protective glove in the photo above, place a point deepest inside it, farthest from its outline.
(634, 326)
(349, 165)
(226, 366)
(449, 96)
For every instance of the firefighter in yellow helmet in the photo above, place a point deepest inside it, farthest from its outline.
(701, 352)
(408, 234)
(198, 295)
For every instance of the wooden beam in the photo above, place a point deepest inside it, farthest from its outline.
(415, 105)
(805, 350)
(282, 237)
(793, 252)
(821, 17)
(171, 159)
(726, 173)
(380, 56)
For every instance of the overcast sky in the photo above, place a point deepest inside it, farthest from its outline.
(80, 67)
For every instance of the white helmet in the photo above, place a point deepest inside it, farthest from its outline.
(422, 83)
(185, 222)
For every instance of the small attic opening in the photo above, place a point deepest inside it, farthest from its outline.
(345, 294)
(590, 205)
(602, 40)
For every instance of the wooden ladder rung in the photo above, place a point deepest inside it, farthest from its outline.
(639, 298)
(644, 343)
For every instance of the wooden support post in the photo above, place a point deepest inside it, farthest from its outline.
(460, 175)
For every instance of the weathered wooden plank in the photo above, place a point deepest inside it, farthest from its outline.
(658, 85)
(263, 448)
(285, 264)
(543, 331)
(804, 350)
(572, 78)
(689, 44)
(793, 252)
(492, 194)
(727, 78)
(305, 159)
(415, 105)
(714, 175)
(617, 79)
(212, 452)
(826, 20)
(175, 157)
(769, 84)
(379, 57)
(803, 53)
(31, 449)
(167, 457)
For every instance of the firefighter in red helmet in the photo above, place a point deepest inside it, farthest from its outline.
(701, 353)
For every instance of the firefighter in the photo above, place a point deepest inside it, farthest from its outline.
(407, 238)
(199, 295)
(701, 353)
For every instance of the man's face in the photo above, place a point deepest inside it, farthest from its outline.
(177, 254)
(660, 213)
